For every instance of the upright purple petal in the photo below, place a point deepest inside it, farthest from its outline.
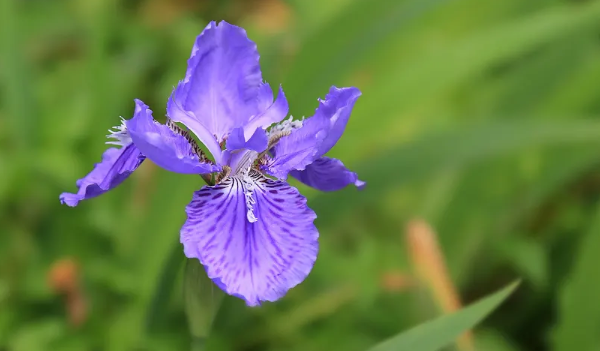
(327, 174)
(317, 135)
(257, 142)
(336, 109)
(115, 167)
(259, 260)
(178, 114)
(169, 150)
(222, 81)
(270, 112)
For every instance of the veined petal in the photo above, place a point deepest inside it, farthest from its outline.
(327, 174)
(317, 135)
(115, 167)
(256, 261)
(222, 81)
(169, 150)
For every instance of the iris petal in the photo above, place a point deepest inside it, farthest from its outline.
(162, 145)
(260, 260)
(115, 167)
(271, 112)
(317, 135)
(327, 174)
(258, 142)
(336, 109)
(178, 114)
(222, 81)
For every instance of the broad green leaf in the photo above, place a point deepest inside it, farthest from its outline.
(578, 308)
(441, 332)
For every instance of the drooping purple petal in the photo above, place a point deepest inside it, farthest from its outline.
(317, 135)
(115, 167)
(222, 81)
(259, 260)
(169, 150)
(327, 174)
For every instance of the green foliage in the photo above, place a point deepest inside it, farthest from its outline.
(203, 301)
(578, 309)
(480, 117)
(436, 334)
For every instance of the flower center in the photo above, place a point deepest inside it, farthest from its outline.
(248, 162)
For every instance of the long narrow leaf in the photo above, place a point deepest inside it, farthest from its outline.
(440, 332)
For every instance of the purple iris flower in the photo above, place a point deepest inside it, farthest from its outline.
(251, 230)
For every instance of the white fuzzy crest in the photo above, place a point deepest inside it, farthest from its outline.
(120, 134)
(285, 126)
(249, 195)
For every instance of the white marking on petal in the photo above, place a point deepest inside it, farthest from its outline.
(120, 134)
(248, 186)
(245, 163)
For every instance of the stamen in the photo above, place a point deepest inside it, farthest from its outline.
(263, 161)
(119, 133)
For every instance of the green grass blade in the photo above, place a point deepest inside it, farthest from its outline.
(440, 332)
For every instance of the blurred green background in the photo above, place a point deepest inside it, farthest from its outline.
(480, 118)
